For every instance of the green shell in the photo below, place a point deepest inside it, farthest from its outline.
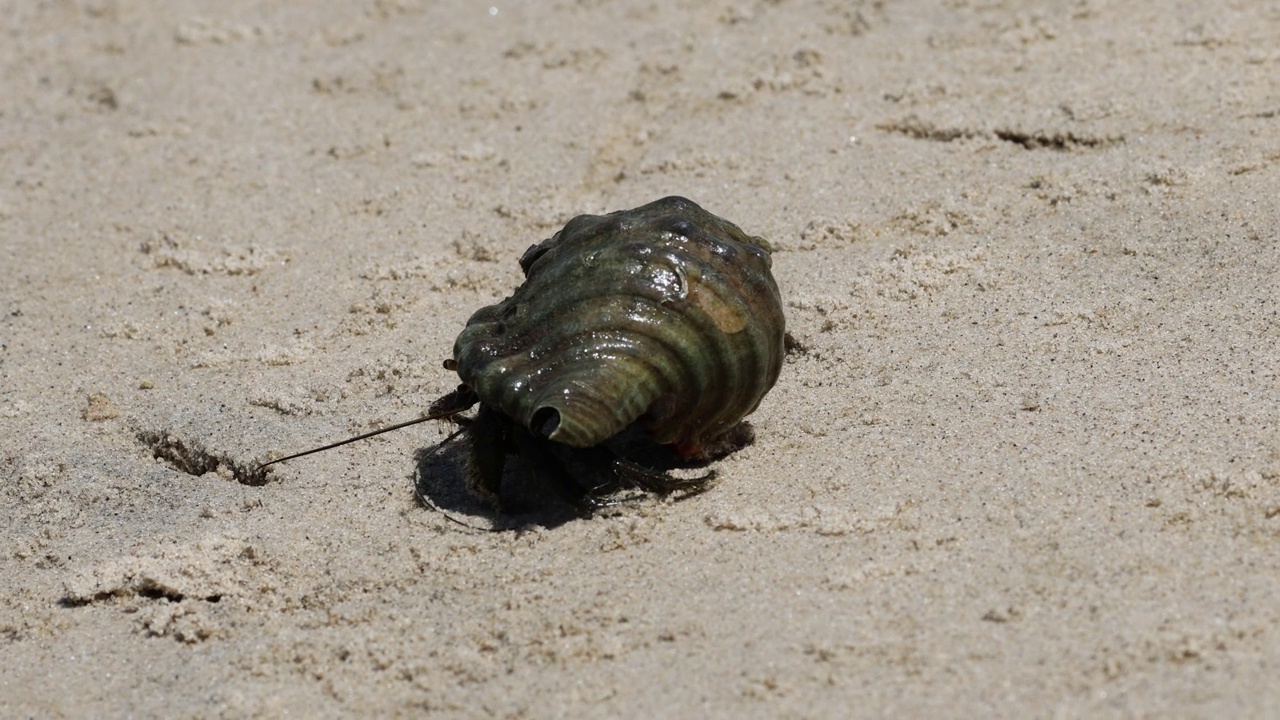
(665, 314)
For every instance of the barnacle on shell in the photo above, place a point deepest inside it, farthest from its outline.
(665, 315)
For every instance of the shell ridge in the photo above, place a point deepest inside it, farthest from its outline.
(644, 361)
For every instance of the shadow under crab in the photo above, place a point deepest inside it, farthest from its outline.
(514, 470)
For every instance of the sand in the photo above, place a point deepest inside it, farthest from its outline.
(1027, 462)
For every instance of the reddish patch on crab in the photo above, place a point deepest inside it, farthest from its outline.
(687, 449)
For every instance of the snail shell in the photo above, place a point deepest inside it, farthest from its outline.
(665, 315)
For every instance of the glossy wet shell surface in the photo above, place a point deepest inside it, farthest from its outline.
(665, 314)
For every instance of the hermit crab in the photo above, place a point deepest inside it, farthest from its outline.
(661, 323)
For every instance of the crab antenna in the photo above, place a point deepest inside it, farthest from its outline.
(369, 434)
(446, 407)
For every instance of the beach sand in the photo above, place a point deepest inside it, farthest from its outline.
(1026, 461)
